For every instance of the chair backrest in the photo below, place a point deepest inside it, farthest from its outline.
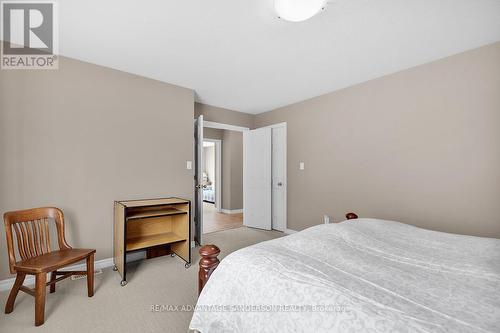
(31, 228)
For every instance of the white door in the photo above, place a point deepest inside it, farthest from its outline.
(279, 177)
(198, 180)
(257, 176)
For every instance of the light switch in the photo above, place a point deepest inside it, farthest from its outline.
(301, 166)
(189, 165)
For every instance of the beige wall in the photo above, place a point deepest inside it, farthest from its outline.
(212, 133)
(419, 146)
(232, 169)
(83, 136)
(224, 116)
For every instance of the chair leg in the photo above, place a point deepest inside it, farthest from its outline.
(90, 275)
(9, 306)
(53, 285)
(40, 281)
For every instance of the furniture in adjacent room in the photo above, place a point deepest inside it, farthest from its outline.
(209, 194)
(31, 230)
(150, 223)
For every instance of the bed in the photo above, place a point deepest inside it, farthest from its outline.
(361, 275)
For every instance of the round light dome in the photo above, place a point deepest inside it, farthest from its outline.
(298, 10)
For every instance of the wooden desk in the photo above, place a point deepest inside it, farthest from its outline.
(143, 224)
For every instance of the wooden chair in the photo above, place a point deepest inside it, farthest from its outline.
(31, 229)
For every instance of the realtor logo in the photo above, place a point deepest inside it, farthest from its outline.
(29, 34)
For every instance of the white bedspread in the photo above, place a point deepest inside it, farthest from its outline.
(372, 275)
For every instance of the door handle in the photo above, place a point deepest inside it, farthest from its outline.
(280, 184)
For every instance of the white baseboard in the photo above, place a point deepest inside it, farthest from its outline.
(232, 211)
(99, 264)
(290, 231)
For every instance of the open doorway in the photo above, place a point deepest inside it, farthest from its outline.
(248, 187)
(211, 174)
(222, 179)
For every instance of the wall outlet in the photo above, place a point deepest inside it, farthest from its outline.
(327, 219)
(301, 166)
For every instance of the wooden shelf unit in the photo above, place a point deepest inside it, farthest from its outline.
(153, 240)
(144, 224)
(154, 213)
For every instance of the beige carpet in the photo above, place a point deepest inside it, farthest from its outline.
(159, 281)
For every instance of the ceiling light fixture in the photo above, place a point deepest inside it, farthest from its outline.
(298, 10)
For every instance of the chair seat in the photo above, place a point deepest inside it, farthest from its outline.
(52, 261)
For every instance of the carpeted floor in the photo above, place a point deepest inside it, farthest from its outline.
(159, 281)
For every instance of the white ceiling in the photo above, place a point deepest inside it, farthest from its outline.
(236, 54)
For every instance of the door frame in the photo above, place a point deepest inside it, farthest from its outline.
(218, 172)
(216, 125)
(285, 209)
(197, 179)
(213, 124)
